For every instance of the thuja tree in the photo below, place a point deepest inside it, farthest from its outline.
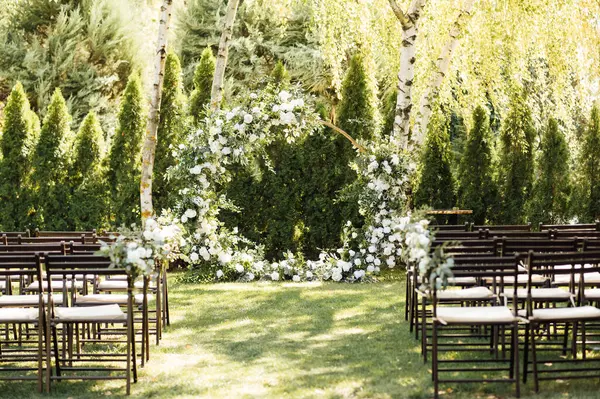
(171, 129)
(123, 174)
(587, 192)
(49, 177)
(516, 161)
(203, 77)
(89, 202)
(436, 184)
(476, 189)
(20, 128)
(280, 74)
(552, 188)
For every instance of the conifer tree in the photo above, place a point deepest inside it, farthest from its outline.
(475, 169)
(171, 130)
(89, 191)
(357, 110)
(436, 185)
(124, 160)
(516, 161)
(49, 177)
(552, 187)
(20, 130)
(588, 184)
(280, 75)
(203, 77)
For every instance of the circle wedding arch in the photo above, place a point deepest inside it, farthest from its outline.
(388, 238)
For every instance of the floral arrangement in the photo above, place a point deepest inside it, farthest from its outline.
(141, 251)
(389, 238)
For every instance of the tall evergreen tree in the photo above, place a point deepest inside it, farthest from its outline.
(203, 77)
(552, 187)
(49, 177)
(89, 191)
(588, 185)
(515, 176)
(280, 75)
(21, 127)
(475, 169)
(436, 185)
(124, 161)
(357, 110)
(171, 130)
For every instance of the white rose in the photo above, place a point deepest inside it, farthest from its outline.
(275, 108)
(190, 213)
(226, 150)
(372, 249)
(250, 276)
(194, 257)
(284, 96)
(219, 273)
(196, 170)
(336, 276)
(253, 96)
(296, 278)
(184, 219)
(224, 257)
(309, 274)
(239, 268)
(229, 116)
(357, 262)
(377, 262)
(359, 274)
(275, 276)
(371, 269)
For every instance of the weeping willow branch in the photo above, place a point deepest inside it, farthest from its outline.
(343, 133)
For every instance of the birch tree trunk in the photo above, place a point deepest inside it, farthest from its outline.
(216, 93)
(443, 64)
(149, 149)
(409, 20)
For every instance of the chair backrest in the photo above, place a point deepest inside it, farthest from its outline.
(521, 234)
(67, 267)
(41, 240)
(20, 265)
(582, 234)
(510, 246)
(502, 227)
(82, 249)
(567, 227)
(450, 227)
(70, 234)
(496, 267)
(55, 248)
(9, 234)
(461, 235)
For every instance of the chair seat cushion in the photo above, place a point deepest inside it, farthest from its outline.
(18, 314)
(92, 313)
(120, 299)
(592, 293)
(466, 294)
(589, 278)
(563, 314)
(540, 293)
(459, 281)
(56, 285)
(478, 314)
(120, 285)
(521, 278)
(27, 300)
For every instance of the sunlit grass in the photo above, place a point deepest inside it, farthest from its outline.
(311, 340)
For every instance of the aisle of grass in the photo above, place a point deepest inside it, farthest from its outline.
(267, 340)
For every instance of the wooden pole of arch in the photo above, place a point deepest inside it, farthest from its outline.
(343, 133)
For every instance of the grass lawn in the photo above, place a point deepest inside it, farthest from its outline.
(266, 340)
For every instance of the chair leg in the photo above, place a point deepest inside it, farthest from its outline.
(515, 350)
(565, 339)
(434, 359)
(526, 355)
(536, 382)
(56, 359)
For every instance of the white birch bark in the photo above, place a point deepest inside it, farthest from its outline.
(216, 93)
(443, 64)
(149, 148)
(409, 21)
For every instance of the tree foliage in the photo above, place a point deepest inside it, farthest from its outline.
(50, 167)
(89, 201)
(516, 162)
(171, 130)
(20, 130)
(124, 160)
(476, 189)
(435, 188)
(203, 77)
(587, 193)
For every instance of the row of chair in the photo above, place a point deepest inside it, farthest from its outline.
(470, 227)
(512, 298)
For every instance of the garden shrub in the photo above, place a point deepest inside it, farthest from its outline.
(171, 129)
(587, 192)
(20, 130)
(124, 163)
(203, 77)
(50, 176)
(552, 186)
